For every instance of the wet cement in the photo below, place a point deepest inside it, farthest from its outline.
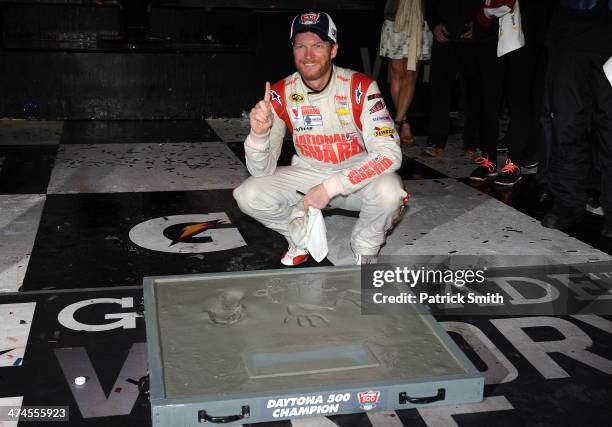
(273, 332)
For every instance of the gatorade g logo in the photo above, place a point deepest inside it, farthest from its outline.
(67, 317)
(188, 234)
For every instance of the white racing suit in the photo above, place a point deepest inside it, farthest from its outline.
(345, 139)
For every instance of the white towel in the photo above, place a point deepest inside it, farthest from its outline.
(307, 230)
(496, 12)
(511, 35)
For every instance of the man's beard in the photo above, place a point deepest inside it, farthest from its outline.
(315, 73)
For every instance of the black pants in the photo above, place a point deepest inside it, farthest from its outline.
(581, 99)
(546, 131)
(448, 60)
(516, 72)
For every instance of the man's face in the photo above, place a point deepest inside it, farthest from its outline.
(312, 55)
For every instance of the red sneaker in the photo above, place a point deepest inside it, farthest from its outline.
(295, 256)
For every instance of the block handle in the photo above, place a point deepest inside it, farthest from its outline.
(204, 417)
(404, 398)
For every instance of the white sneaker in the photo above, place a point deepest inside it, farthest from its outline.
(366, 259)
(295, 256)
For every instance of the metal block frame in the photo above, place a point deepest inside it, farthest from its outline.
(329, 400)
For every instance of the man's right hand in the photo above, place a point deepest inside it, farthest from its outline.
(440, 33)
(261, 115)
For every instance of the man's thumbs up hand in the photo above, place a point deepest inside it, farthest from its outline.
(261, 115)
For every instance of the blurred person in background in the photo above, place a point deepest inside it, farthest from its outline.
(516, 72)
(580, 43)
(405, 40)
(453, 52)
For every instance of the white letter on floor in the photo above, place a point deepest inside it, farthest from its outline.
(574, 345)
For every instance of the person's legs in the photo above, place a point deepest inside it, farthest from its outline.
(469, 74)
(534, 150)
(491, 74)
(546, 137)
(570, 158)
(403, 84)
(395, 68)
(443, 72)
(520, 72)
(270, 199)
(602, 128)
(379, 203)
(491, 71)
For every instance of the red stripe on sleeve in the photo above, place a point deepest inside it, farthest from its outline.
(360, 84)
(278, 103)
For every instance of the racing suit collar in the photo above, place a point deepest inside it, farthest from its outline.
(312, 91)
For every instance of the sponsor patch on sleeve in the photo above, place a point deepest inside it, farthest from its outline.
(382, 118)
(373, 168)
(374, 96)
(378, 106)
(384, 131)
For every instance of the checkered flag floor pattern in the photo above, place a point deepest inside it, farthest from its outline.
(87, 209)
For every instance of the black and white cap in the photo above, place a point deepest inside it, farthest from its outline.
(319, 23)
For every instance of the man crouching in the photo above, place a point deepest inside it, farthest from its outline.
(347, 148)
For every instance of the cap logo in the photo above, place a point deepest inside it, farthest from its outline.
(309, 18)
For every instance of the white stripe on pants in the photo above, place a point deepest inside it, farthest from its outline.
(270, 200)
